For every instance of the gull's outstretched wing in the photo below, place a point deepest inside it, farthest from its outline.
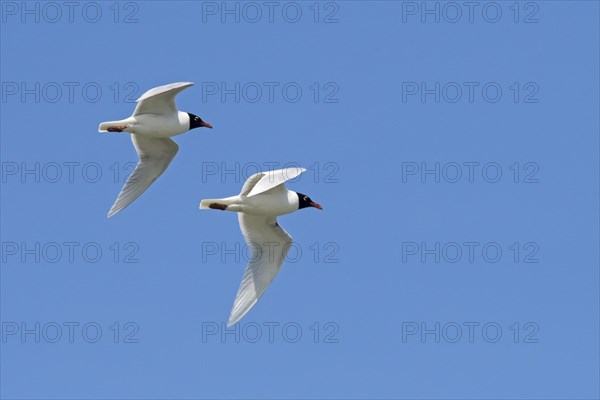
(263, 181)
(269, 245)
(155, 156)
(160, 100)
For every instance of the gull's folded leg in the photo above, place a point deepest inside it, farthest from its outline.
(116, 128)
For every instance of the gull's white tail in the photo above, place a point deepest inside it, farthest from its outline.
(204, 204)
(103, 127)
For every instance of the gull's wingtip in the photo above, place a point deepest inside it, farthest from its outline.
(179, 84)
(112, 212)
(234, 318)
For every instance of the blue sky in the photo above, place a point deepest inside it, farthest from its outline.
(455, 151)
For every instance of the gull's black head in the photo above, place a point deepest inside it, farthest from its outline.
(196, 122)
(305, 201)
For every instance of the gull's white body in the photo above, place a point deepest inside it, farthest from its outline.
(273, 203)
(263, 198)
(151, 125)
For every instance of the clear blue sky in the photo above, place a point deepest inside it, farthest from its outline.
(413, 121)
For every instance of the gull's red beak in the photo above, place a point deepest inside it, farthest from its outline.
(316, 205)
(206, 125)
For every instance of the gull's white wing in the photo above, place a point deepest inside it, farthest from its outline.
(263, 181)
(155, 156)
(160, 100)
(269, 245)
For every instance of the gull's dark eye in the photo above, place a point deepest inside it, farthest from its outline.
(305, 198)
(197, 119)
